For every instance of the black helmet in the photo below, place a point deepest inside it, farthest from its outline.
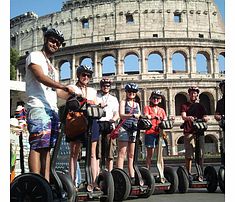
(222, 83)
(193, 88)
(105, 80)
(132, 87)
(55, 33)
(156, 93)
(84, 68)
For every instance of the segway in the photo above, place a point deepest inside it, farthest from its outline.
(208, 179)
(33, 187)
(221, 172)
(104, 179)
(144, 180)
(170, 184)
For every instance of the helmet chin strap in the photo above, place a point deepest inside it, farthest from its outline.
(81, 84)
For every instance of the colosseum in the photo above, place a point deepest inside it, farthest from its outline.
(155, 43)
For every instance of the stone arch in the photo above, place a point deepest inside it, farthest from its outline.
(179, 50)
(221, 61)
(108, 65)
(180, 144)
(180, 98)
(211, 143)
(127, 52)
(86, 60)
(207, 100)
(131, 59)
(153, 65)
(179, 62)
(203, 61)
(65, 70)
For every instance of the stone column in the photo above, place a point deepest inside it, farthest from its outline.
(215, 63)
(95, 66)
(170, 104)
(73, 68)
(192, 63)
(211, 66)
(166, 62)
(119, 63)
(143, 62)
(188, 66)
(168, 68)
(99, 67)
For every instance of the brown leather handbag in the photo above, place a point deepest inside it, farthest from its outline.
(76, 124)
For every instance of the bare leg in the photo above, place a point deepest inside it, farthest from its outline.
(34, 161)
(39, 162)
(149, 157)
(94, 162)
(74, 152)
(188, 164)
(131, 151)
(45, 163)
(122, 147)
(109, 164)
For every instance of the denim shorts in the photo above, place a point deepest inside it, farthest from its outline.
(126, 136)
(151, 140)
(43, 126)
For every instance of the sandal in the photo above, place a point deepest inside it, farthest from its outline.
(96, 189)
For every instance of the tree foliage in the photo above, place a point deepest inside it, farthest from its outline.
(14, 58)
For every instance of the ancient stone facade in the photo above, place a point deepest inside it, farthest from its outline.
(119, 28)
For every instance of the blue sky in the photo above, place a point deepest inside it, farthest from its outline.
(41, 7)
(44, 7)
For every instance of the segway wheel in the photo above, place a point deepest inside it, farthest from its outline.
(105, 182)
(149, 181)
(211, 177)
(221, 178)
(183, 183)
(30, 187)
(68, 186)
(171, 176)
(122, 184)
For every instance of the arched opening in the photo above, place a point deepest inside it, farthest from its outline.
(210, 144)
(179, 100)
(108, 66)
(131, 64)
(155, 63)
(178, 63)
(205, 101)
(221, 64)
(201, 64)
(65, 71)
(87, 61)
(180, 145)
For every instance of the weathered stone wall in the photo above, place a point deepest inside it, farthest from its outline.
(108, 19)
(200, 30)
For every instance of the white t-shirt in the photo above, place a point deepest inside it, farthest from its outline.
(90, 95)
(38, 94)
(112, 105)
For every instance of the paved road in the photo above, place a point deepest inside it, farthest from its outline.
(193, 195)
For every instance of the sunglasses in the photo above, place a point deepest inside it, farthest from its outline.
(54, 41)
(156, 98)
(85, 74)
(106, 86)
(131, 91)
